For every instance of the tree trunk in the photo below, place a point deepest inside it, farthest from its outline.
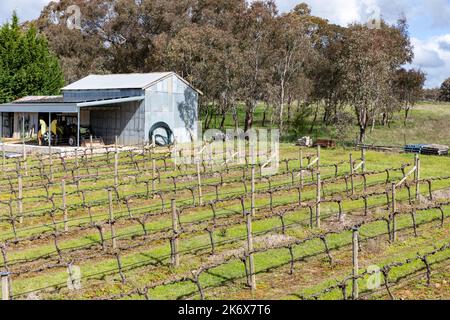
(289, 111)
(362, 134)
(222, 122)
(265, 115)
(406, 115)
(248, 116)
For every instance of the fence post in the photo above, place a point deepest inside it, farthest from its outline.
(76, 163)
(64, 204)
(199, 183)
(301, 168)
(250, 250)
(24, 153)
(116, 164)
(111, 220)
(175, 255)
(318, 158)
(393, 212)
(5, 285)
(20, 197)
(363, 159)
(3, 157)
(92, 146)
(351, 174)
(153, 154)
(318, 200)
(252, 188)
(417, 175)
(355, 248)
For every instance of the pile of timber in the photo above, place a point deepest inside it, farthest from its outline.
(325, 143)
(428, 149)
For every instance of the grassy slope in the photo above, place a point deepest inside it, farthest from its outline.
(428, 123)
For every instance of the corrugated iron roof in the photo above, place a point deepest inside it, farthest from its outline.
(40, 99)
(122, 81)
(117, 81)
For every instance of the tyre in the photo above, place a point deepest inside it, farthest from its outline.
(72, 141)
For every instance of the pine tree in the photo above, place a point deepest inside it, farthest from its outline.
(27, 67)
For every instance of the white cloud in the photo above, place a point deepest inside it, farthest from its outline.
(344, 12)
(444, 45)
(433, 59)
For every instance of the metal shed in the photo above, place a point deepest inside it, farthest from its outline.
(131, 107)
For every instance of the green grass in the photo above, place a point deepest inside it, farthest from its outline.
(427, 123)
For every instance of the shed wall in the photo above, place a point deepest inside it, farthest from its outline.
(174, 102)
(125, 120)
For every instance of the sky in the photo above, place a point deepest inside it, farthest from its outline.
(429, 22)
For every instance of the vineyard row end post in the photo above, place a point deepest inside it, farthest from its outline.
(393, 213)
(417, 175)
(318, 200)
(351, 173)
(175, 255)
(5, 285)
(355, 262)
(250, 250)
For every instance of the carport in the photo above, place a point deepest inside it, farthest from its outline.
(34, 106)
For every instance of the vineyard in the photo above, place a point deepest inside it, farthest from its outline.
(131, 223)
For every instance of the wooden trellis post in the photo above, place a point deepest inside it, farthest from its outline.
(393, 213)
(50, 145)
(20, 197)
(250, 250)
(417, 175)
(91, 146)
(318, 158)
(153, 165)
(5, 285)
(24, 152)
(318, 199)
(116, 165)
(351, 174)
(199, 183)
(363, 160)
(253, 190)
(301, 168)
(64, 205)
(174, 244)
(355, 248)
(111, 220)
(3, 157)
(76, 163)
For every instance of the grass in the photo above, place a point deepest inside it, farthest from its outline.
(427, 123)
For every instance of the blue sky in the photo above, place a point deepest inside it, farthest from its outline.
(429, 22)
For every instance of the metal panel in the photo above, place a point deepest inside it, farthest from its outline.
(122, 121)
(117, 81)
(39, 107)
